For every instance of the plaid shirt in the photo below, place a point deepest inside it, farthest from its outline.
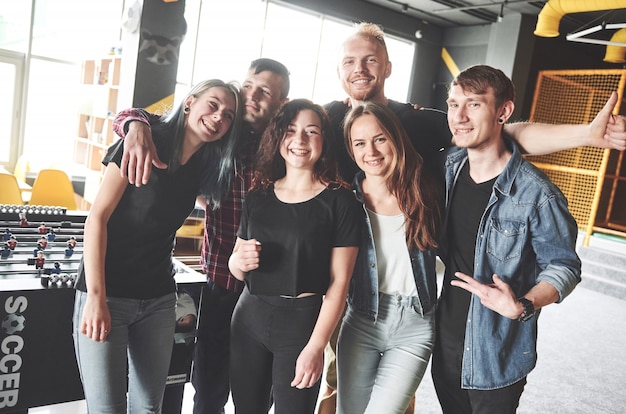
(125, 117)
(220, 225)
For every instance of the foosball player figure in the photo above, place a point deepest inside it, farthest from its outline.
(6, 235)
(56, 269)
(42, 228)
(51, 236)
(12, 242)
(23, 221)
(39, 260)
(5, 252)
(71, 243)
(38, 248)
(42, 243)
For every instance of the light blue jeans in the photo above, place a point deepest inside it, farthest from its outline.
(380, 364)
(139, 347)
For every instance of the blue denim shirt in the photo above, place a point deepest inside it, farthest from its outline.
(363, 296)
(526, 235)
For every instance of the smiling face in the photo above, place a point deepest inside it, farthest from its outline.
(372, 150)
(303, 142)
(210, 114)
(473, 118)
(262, 97)
(363, 68)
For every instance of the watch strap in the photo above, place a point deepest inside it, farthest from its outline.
(529, 310)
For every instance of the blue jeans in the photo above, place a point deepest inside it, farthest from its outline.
(137, 349)
(381, 363)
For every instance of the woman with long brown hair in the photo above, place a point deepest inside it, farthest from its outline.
(387, 334)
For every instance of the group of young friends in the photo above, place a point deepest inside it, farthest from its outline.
(309, 208)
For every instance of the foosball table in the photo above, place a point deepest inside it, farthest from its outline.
(40, 250)
(41, 242)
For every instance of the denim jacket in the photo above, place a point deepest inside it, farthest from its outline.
(363, 296)
(526, 236)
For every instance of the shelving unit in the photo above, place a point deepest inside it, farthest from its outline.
(100, 81)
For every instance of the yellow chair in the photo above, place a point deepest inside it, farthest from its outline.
(53, 188)
(10, 192)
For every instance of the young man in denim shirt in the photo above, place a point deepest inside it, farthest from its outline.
(509, 249)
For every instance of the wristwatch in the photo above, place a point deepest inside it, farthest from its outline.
(529, 310)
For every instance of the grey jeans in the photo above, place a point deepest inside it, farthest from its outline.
(139, 347)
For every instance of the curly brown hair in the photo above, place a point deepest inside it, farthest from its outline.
(271, 165)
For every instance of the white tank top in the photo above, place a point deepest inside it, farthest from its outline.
(395, 274)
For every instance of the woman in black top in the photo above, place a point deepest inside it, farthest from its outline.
(295, 250)
(126, 294)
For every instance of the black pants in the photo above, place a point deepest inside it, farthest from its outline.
(446, 372)
(267, 335)
(210, 375)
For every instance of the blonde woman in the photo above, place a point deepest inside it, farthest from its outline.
(124, 312)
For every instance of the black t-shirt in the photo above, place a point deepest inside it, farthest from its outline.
(142, 228)
(297, 239)
(466, 208)
(427, 129)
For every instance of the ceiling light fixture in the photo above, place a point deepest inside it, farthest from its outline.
(579, 36)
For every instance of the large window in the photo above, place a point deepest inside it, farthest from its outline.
(64, 33)
(14, 25)
(51, 115)
(9, 105)
(223, 37)
(306, 42)
(229, 36)
(74, 30)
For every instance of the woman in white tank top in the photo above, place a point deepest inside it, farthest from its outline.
(387, 334)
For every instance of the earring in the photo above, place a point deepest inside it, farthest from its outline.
(186, 110)
(501, 120)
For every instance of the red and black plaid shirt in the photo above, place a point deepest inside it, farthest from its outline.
(220, 230)
(221, 225)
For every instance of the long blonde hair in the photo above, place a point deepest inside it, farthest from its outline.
(218, 157)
